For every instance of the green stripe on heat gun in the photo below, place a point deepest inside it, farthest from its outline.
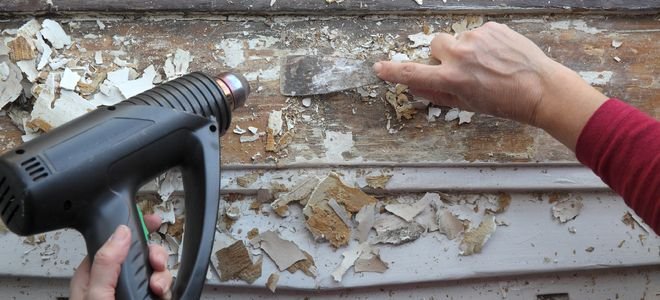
(144, 226)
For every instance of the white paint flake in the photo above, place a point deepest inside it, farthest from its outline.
(284, 253)
(465, 117)
(28, 67)
(448, 224)
(391, 229)
(177, 65)
(238, 130)
(69, 79)
(98, 57)
(66, 108)
(275, 122)
(29, 29)
(475, 239)
(365, 219)
(452, 114)
(45, 51)
(131, 88)
(409, 211)
(53, 32)
(350, 256)
(57, 63)
(421, 39)
(168, 183)
(369, 261)
(10, 81)
(434, 113)
(399, 57)
(566, 210)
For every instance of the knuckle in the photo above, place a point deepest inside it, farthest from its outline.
(103, 257)
(491, 24)
(471, 35)
(462, 51)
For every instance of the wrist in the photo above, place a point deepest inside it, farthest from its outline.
(567, 104)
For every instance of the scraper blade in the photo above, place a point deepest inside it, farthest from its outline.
(303, 75)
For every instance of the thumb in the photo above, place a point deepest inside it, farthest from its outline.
(107, 264)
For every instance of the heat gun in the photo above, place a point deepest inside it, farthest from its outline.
(85, 174)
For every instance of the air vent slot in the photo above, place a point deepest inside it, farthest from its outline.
(5, 194)
(8, 204)
(35, 169)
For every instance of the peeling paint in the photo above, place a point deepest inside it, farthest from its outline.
(234, 54)
(579, 25)
(596, 78)
(262, 42)
(264, 75)
(337, 144)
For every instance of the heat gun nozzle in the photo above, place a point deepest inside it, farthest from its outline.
(235, 86)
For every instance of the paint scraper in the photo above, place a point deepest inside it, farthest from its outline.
(302, 75)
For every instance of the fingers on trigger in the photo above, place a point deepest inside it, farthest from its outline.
(152, 222)
(158, 258)
(80, 279)
(107, 261)
(160, 283)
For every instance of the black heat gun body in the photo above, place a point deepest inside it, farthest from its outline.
(85, 174)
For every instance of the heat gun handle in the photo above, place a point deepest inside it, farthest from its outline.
(133, 281)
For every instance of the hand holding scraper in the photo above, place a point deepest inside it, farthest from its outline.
(304, 75)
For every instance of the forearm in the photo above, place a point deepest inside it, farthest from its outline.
(620, 143)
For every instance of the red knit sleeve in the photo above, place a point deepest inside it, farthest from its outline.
(622, 145)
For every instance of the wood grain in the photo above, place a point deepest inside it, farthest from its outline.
(581, 43)
(320, 7)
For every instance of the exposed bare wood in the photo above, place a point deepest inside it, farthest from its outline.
(583, 44)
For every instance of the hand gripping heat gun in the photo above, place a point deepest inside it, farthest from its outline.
(85, 174)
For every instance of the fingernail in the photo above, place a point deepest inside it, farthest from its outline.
(120, 234)
(377, 67)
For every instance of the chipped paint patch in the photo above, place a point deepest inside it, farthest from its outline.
(262, 42)
(409, 211)
(391, 229)
(596, 78)
(322, 220)
(579, 25)
(474, 240)
(234, 55)
(350, 256)
(421, 39)
(567, 210)
(337, 144)
(284, 253)
(264, 75)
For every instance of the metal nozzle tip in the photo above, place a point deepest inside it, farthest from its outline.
(237, 85)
